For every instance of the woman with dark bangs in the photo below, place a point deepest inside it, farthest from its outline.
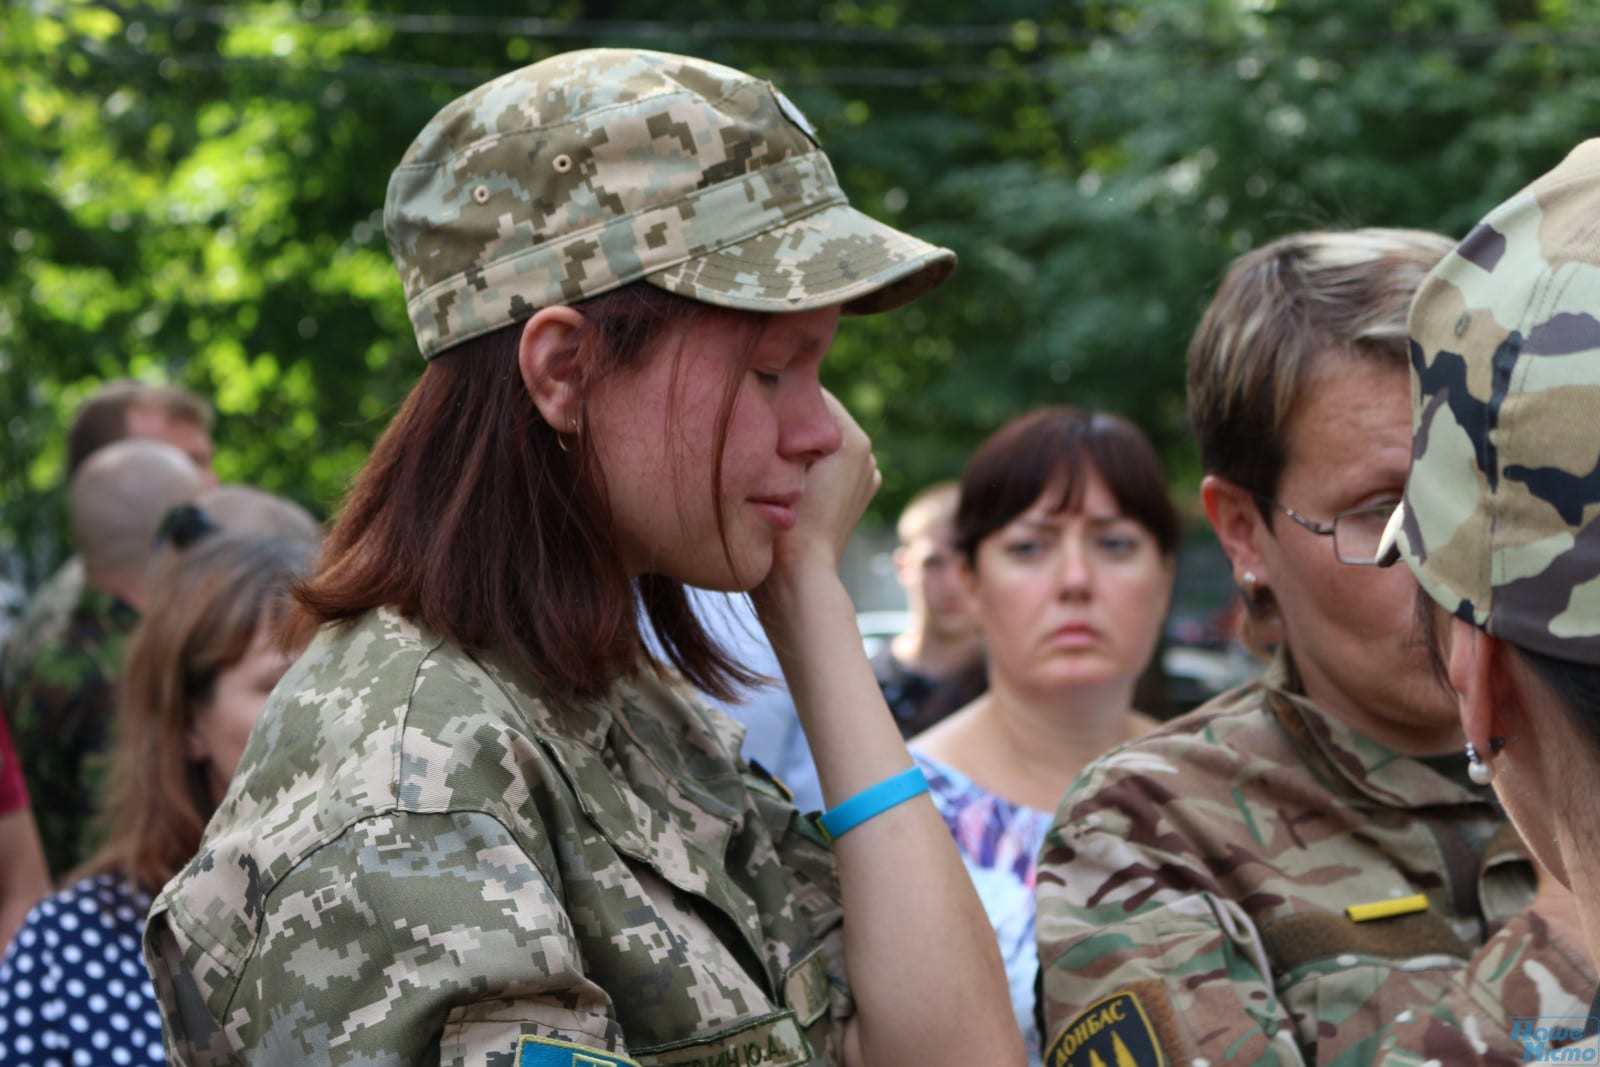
(484, 824)
(1067, 539)
(200, 665)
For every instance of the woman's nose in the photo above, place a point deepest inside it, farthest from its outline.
(1074, 572)
(809, 431)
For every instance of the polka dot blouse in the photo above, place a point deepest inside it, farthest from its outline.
(73, 987)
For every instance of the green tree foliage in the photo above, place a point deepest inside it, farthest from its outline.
(193, 192)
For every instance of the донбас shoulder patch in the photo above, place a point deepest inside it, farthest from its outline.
(1113, 1032)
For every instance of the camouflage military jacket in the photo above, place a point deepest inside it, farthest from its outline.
(43, 621)
(1192, 897)
(60, 698)
(421, 861)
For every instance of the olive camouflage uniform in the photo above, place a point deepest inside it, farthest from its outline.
(1192, 895)
(42, 622)
(1498, 519)
(423, 860)
(60, 700)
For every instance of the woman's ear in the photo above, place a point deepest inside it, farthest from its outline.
(1233, 514)
(1483, 685)
(547, 356)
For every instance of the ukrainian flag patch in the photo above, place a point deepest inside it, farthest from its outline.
(548, 1052)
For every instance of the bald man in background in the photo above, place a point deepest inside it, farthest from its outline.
(118, 410)
(61, 702)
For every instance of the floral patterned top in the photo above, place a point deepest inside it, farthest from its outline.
(999, 843)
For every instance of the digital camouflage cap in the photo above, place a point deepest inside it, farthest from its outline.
(1499, 518)
(593, 169)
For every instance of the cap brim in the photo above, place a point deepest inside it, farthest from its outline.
(1389, 544)
(833, 256)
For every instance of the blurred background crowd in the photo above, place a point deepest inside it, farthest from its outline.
(190, 195)
(201, 335)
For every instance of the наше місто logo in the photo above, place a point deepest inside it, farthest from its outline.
(1549, 1038)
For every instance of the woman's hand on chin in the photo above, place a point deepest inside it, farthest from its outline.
(838, 489)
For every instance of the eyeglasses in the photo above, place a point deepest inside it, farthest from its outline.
(1355, 533)
(183, 525)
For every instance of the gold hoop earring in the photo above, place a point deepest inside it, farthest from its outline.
(576, 432)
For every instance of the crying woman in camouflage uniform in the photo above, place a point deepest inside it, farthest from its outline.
(479, 823)
(1301, 871)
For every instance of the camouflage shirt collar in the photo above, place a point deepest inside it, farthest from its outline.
(1365, 765)
(688, 743)
(661, 786)
(658, 718)
(587, 722)
(641, 747)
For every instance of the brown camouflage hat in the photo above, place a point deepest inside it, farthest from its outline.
(593, 169)
(1499, 518)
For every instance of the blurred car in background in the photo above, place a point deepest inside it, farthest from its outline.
(878, 628)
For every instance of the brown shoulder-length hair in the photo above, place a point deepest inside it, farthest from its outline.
(201, 619)
(1053, 450)
(478, 520)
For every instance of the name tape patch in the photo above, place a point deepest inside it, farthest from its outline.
(1114, 1032)
(549, 1052)
(774, 1040)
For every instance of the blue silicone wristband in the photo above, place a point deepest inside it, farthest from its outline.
(873, 801)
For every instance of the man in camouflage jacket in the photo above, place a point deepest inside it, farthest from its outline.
(61, 704)
(44, 621)
(1258, 883)
(60, 684)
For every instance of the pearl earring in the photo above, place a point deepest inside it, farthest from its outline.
(1479, 770)
(1248, 580)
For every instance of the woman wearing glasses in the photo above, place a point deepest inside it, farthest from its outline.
(1300, 871)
